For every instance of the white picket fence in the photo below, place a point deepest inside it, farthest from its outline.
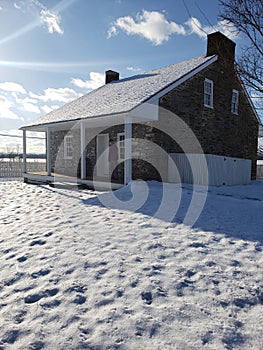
(14, 169)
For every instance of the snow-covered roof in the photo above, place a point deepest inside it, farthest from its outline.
(123, 95)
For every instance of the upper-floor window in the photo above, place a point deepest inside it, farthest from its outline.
(121, 144)
(234, 102)
(68, 147)
(208, 93)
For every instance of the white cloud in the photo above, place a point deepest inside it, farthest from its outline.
(96, 80)
(5, 110)
(48, 18)
(51, 20)
(112, 32)
(228, 29)
(151, 25)
(134, 69)
(18, 105)
(224, 27)
(47, 109)
(12, 87)
(155, 27)
(196, 27)
(29, 105)
(26, 103)
(61, 95)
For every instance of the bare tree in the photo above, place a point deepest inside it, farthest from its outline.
(247, 18)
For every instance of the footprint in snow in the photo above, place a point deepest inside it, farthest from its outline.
(19, 318)
(147, 297)
(100, 273)
(156, 234)
(76, 288)
(40, 273)
(33, 298)
(155, 246)
(79, 299)
(48, 234)
(14, 279)
(22, 259)
(37, 242)
(37, 345)
(145, 226)
(104, 302)
(190, 273)
(197, 245)
(51, 304)
(11, 336)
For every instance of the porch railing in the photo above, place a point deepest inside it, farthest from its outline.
(15, 168)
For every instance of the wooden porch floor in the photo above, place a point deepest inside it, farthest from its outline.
(54, 178)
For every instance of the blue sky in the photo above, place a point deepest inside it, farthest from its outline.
(52, 51)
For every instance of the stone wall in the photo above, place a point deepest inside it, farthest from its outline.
(148, 146)
(219, 131)
(60, 165)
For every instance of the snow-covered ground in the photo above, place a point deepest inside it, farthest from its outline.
(76, 274)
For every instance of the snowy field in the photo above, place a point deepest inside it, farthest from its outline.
(76, 274)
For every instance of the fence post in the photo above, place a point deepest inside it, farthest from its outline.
(48, 152)
(24, 151)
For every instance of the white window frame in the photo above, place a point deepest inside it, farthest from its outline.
(234, 101)
(210, 95)
(121, 146)
(68, 145)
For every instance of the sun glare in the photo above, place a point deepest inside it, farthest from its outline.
(61, 6)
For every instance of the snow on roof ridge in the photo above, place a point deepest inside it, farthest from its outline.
(177, 63)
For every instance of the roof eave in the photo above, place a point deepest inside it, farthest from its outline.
(99, 119)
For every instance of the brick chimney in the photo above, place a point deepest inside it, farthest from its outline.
(219, 44)
(110, 76)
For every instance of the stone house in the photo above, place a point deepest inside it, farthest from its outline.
(191, 122)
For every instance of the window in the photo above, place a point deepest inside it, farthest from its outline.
(68, 147)
(234, 102)
(121, 146)
(208, 93)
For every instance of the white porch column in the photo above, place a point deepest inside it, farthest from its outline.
(128, 150)
(82, 150)
(24, 151)
(48, 152)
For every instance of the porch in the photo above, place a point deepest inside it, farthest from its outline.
(77, 152)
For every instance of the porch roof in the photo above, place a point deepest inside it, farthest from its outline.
(123, 95)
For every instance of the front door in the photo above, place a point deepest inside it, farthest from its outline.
(102, 155)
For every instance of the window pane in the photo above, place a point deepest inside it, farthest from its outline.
(234, 102)
(208, 93)
(68, 145)
(121, 144)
